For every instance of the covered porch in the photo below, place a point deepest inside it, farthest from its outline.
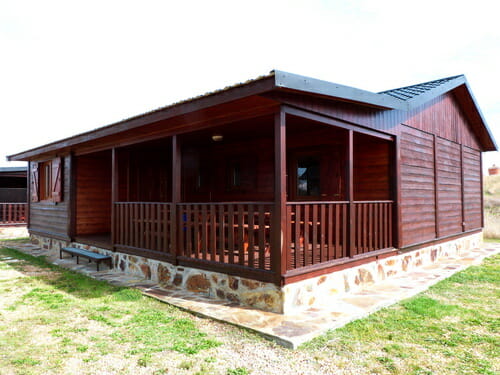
(279, 197)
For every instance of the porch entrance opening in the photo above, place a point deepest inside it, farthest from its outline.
(93, 199)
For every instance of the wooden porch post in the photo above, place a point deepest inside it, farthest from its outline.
(279, 252)
(482, 187)
(28, 197)
(176, 195)
(436, 191)
(462, 183)
(350, 194)
(397, 236)
(114, 195)
(71, 228)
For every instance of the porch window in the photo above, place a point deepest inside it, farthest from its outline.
(308, 177)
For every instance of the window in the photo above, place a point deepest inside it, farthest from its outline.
(308, 177)
(235, 175)
(46, 181)
(241, 174)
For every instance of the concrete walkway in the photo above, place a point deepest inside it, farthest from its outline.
(287, 330)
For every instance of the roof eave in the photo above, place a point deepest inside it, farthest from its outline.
(493, 146)
(255, 87)
(295, 82)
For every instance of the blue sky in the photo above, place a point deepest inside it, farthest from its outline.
(68, 67)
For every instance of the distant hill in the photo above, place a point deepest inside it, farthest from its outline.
(492, 206)
(492, 186)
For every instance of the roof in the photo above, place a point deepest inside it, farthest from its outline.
(409, 92)
(404, 99)
(14, 172)
(13, 169)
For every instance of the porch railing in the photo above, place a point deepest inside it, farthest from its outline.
(239, 234)
(317, 232)
(13, 213)
(372, 226)
(231, 233)
(143, 225)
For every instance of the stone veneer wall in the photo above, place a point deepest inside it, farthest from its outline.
(310, 293)
(315, 292)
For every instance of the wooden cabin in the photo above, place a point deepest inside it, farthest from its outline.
(13, 195)
(262, 192)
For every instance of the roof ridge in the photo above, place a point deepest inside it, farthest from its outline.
(409, 92)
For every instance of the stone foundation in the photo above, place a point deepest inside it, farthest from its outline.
(310, 293)
(247, 292)
(315, 292)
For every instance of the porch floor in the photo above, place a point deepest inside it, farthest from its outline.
(288, 330)
(102, 240)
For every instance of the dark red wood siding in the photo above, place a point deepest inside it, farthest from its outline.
(93, 193)
(50, 217)
(417, 186)
(471, 161)
(449, 187)
(371, 168)
(442, 116)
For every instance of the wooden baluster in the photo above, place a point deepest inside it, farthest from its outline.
(322, 231)
(251, 234)
(213, 232)
(297, 246)
(307, 258)
(230, 233)
(241, 235)
(204, 224)
(332, 230)
(166, 228)
(196, 230)
(262, 236)
(288, 240)
(222, 230)
(158, 227)
(314, 252)
(389, 222)
(135, 225)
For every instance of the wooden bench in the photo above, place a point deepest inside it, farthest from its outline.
(98, 258)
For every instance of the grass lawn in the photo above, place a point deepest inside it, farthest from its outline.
(55, 321)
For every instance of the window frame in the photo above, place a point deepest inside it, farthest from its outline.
(45, 181)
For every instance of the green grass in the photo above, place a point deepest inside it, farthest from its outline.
(238, 371)
(52, 318)
(76, 316)
(451, 329)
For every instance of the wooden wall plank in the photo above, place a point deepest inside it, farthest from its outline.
(417, 186)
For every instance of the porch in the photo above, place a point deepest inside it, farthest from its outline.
(277, 198)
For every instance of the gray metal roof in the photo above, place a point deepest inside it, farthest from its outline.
(410, 92)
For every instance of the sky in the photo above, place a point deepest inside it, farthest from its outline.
(67, 67)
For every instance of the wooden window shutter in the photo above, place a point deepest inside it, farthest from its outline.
(56, 180)
(35, 182)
